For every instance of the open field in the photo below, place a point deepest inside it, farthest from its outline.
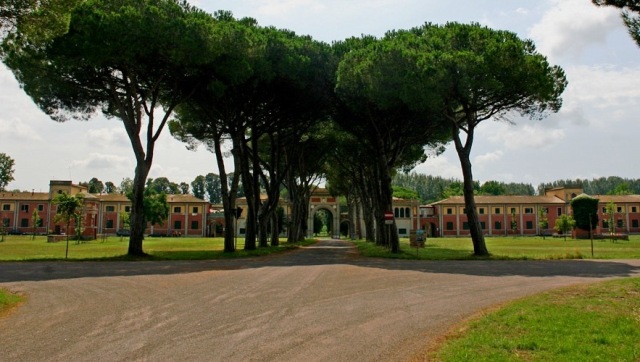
(22, 248)
(585, 322)
(532, 247)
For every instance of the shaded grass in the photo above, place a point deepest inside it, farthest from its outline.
(503, 248)
(583, 323)
(22, 248)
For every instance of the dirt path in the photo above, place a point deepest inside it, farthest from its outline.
(316, 304)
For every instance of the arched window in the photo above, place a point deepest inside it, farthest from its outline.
(396, 212)
(407, 212)
(401, 212)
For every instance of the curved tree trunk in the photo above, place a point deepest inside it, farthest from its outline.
(477, 237)
(137, 219)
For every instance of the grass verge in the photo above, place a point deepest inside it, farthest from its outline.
(516, 248)
(8, 301)
(22, 248)
(582, 323)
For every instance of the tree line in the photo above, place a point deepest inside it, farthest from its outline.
(291, 110)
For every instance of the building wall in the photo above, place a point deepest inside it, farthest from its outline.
(496, 218)
(102, 212)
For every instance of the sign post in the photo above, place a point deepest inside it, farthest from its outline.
(388, 220)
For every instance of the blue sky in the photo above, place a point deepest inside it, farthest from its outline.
(595, 134)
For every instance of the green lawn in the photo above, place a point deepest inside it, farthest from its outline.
(512, 248)
(17, 248)
(598, 322)
(22, 248)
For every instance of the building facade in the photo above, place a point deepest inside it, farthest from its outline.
(520, 215)
(103, 214)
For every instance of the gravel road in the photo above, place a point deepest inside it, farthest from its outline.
(318, 303)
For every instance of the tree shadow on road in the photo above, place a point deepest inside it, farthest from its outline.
(326, 252)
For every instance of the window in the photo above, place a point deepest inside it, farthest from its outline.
(513, 210)
(559, 211)
(6, 207)
(620, 223)
(24, 223)
(497, 211)
(177, 224)
(481, 211)
(605, 224)
(529, 225)
(194, 225)
(110, 208)
(242, 231)
(604, 210)
(109, 224)
(6, 222)
(634, 209)
(407, 212)
(40, 223)
(634, 223)
(40, 207)
(24, 208)
(619, 208)
(194, 210)
(450, 225)
(396, 212)
(498, 225)
(483, 225)
(528, 210)
(401, 212)
(449, 211)
(127, 209)
(402, 231)
(465, 225)
(177, 210)
(464, 210)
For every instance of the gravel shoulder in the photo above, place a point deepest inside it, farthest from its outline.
(322, 302)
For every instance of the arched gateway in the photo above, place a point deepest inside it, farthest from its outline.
(407, 215)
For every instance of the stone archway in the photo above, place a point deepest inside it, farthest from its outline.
(323, 224)
(323, 221)
(345, 229)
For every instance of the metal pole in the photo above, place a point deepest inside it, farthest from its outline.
(591, 234)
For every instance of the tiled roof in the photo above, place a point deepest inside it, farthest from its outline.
(617, 198)
(184, 198)
(502, 199)
(24, 196)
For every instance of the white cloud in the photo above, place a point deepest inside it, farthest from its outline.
(108, 137)
(98, 161)
(445, 165)
(525, 136)
(16, 129)
(488, 158)
(570, 26)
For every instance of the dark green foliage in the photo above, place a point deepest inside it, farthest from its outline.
(585, 211)
(198, 187)
(612, 185)
(6, 170)
(163, 185)
(156, 208)
(109, 187)
(434, 188)
(405, 193)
